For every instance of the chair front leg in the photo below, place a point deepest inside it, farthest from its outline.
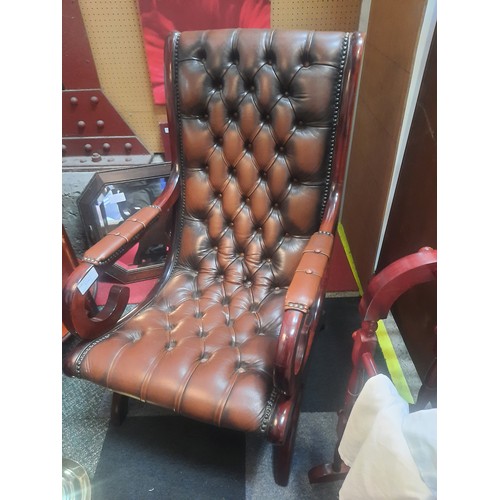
(293, 350)
(363, 366)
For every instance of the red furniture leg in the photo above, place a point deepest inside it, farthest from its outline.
(383, 290)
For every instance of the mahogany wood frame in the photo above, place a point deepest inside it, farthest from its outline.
(298, 326)
(382, 292)
(69, 263)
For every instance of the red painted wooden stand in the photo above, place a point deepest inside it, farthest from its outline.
(383, 290)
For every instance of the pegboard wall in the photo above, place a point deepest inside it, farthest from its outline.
(115, 36)
(322, 15)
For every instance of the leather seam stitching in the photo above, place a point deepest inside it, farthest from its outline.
(335, 119)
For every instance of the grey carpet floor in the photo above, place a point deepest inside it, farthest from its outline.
(86, 421)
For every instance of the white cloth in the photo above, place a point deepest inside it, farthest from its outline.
(392, 454)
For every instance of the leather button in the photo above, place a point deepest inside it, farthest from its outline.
(285, 93)
(171, 345)
(248, 284)
(219, 195)
(317, 250)
(308, 271)
(235, 114)
(276, 205)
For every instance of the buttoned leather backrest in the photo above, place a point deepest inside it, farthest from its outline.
(256, 112)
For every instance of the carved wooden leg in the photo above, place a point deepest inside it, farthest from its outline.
(325, 473)
(363, 349)
(119, 408)
(288, 417)
(336, 470)
(282, 459)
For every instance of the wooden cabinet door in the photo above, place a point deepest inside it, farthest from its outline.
(412, 221)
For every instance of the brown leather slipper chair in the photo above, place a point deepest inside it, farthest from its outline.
(260, 125)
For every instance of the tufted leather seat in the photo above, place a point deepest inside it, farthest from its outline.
(254, 118)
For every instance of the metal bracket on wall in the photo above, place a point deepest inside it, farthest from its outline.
(95, 136)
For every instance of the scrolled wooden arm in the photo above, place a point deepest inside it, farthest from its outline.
(78, 315)
(394, 280)
(302, 306)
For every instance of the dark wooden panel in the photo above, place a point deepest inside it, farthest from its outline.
(392, 37)
(412, 220)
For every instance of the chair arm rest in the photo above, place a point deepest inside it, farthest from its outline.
(80, 314)
(302, 307)
(305, 285)
(117, 242)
